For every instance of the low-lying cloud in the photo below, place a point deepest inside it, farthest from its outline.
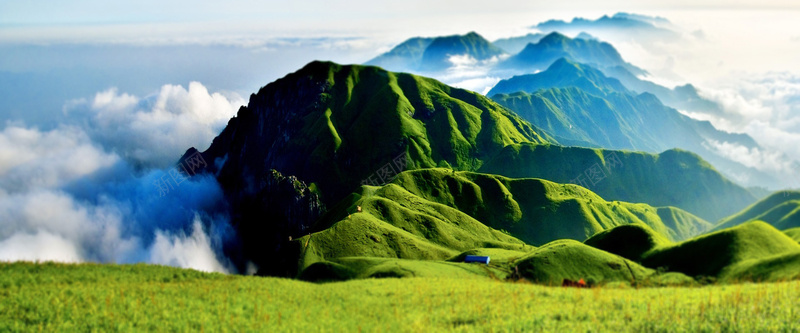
(154, 131)
(103, 186)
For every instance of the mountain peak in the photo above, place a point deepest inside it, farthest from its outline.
(554, 37)
(562, 73)
(437, 55)
(556, 45)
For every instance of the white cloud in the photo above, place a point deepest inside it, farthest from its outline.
(41, 246)
(78, 232)
(188, 251)
(32, 158)
(765, 106)
(66, 194)
(154, 131)
(469, 73)
(764, 160)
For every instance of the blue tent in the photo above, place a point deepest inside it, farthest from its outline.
(480, 259)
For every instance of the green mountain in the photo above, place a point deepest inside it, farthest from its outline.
(578, 105)
(673, 178)
(561, 72)
(555, 46)
(781, 210)
(336, 126)
(437, 54)
(331, 128)
(305, 143)
(433, 54)
(513, 45)
(685, 97)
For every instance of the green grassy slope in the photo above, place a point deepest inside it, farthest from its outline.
(781, 209)
(86, 297)
(340, 269)
(435, 214)
(535, 210)
(629, 241)
(673, 178)
(569, 259)
(794, 233)
(395, 223)
(723, 254)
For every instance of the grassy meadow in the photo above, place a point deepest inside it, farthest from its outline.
(92, 297)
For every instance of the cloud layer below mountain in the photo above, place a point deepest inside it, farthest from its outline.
(103, 187)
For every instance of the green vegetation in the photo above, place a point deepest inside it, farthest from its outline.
(754, 250)
(673, 178)
(337, 126)
(579, 105)
(434, 214)
(537, 211)
(569, 259)
(629, 241)
(87, 297)
(781, 210)
(794, 233)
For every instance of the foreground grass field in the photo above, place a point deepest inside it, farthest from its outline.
(89, 297)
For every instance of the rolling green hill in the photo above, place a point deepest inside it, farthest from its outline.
(794, 233)
(748, 251)
(569, 259)
(434, 214)
(538, 211)
(781, 210)
(673, 178)
(630, 241)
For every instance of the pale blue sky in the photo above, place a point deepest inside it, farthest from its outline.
(98, 20)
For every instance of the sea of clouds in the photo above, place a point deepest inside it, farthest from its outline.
(102, 187)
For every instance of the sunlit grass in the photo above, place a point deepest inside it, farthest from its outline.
(52, 297)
